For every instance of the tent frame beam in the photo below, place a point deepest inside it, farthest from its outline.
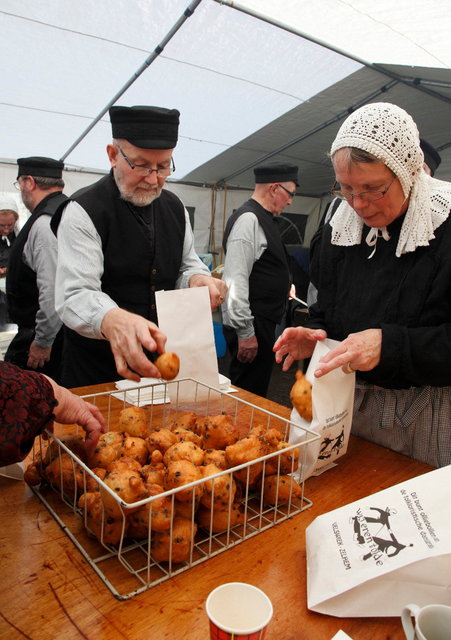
(145, 65)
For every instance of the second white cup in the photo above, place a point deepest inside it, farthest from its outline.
(432, 622)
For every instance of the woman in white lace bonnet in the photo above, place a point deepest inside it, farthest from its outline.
(383, 274)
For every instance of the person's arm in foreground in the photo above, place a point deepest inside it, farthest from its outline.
(29, 403)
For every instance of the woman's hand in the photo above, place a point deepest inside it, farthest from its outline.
(358, 352)
(72, 409)
(296, 343)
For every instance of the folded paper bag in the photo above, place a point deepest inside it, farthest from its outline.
(371, 557)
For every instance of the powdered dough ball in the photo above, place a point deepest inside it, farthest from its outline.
(168, 364)
(301, 396)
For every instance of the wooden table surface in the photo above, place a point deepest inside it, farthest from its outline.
(49, 591)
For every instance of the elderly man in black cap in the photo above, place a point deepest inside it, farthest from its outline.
(30, 281)
(256, 271)
(120, 240)
(432, 158)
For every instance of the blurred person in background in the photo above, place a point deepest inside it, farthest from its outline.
(257, 274)
(8, 218)
(30, 283)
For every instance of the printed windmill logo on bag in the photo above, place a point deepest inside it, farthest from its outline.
(376, 531)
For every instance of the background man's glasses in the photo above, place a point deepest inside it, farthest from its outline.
(147, 171)
(290, 193)
(367, 196)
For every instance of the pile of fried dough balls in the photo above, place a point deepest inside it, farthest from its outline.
(137, 461)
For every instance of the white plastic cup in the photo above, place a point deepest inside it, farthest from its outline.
(238, 610)
(432, 622)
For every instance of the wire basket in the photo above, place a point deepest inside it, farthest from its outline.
(133, 546)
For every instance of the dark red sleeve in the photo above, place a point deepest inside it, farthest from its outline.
(26, 406)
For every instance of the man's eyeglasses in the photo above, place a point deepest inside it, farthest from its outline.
(367, 196)
(16, 185)
(147, 171)
(290, 193)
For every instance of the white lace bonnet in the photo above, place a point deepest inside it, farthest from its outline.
(390, 134)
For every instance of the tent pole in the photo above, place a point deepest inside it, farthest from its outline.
(376, 67)
(156, 52)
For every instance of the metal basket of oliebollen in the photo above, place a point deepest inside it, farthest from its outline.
(172, 483)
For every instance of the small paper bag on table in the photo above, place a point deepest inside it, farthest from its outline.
(375, 555)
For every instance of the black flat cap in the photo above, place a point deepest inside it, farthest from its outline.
(276, 173)
(431, 156)
(146, 127)
(40, 167)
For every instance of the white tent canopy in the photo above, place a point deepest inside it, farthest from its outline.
(264, 82)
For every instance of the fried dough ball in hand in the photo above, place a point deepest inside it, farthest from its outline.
(161, 440)
(156, 513)
(219, 431)
(278, 489)
(105, 528)
(218, 491)
(217, 520)
(108, 449)
(183, 532)
(179, 473)
(301, 396)
(168, 364)
(134, 421)
(184, 451)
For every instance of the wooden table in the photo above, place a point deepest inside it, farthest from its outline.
(49, 591)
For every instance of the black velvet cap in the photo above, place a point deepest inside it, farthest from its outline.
(40, 167)
(431, 156)
(146, 127)
(276, 173)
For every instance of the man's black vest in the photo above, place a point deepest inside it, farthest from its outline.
(142, 251)
(269, 282)
(21, 288)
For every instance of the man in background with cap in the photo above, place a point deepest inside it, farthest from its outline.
(9, 215)
(120, 240)
(30, 282)
(432, 158)
(257, 273)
